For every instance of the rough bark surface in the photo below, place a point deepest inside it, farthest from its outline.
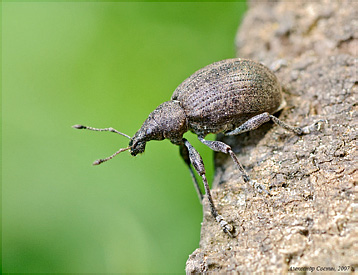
(311, 220)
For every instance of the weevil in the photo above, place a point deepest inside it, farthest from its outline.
(232, 96)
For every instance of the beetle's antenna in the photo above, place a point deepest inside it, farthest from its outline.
(110, 129)
(99, 161)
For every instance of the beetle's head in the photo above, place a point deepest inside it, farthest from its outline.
(168, 120)
(138, 142)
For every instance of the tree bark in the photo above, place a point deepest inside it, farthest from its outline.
(311, 220)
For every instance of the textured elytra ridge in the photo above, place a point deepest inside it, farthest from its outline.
(225, 94)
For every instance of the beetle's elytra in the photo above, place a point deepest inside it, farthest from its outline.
(224, 95)
(231, 96)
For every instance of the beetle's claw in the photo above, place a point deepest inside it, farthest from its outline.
(259, 187)
(313, 127)
(227, 228)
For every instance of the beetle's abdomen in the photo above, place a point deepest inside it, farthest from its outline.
(223, 95)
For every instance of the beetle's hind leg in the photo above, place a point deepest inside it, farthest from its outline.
(185, 155)
(219, 146)
(256, 121)
(198, 164)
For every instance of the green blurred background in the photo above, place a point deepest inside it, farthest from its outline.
(100, 64)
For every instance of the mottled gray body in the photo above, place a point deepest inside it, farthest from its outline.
(231, 96)
(225, 94)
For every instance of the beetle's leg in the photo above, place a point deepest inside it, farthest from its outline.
(185, 155)
(198, 164)
(256, 121)
(219, 146)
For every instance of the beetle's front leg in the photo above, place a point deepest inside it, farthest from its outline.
(198, 164)
(222, 147)
(185, 155)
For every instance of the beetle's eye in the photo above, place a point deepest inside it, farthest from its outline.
(149, 132)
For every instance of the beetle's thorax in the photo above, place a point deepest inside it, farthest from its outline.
(167, 121)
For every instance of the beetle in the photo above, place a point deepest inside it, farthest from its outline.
(230, 96)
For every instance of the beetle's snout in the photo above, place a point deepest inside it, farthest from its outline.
(137, 143)
(137, 147)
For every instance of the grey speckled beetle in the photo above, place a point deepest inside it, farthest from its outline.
(231, 96)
